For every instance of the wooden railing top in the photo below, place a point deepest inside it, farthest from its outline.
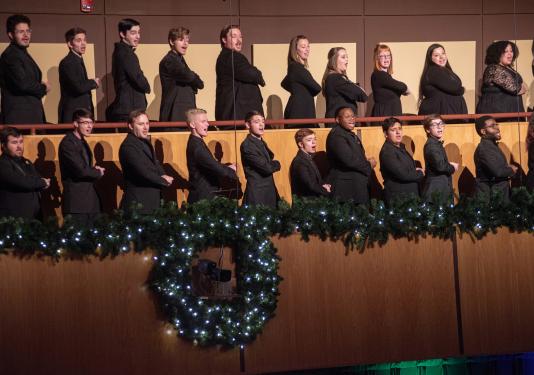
(228, 125)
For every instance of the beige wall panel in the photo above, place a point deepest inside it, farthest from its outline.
(271, 59)
(408, 63)
(200, 58)
(48, 56)
(524, 67)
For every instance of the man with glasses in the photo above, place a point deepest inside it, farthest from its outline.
(20, 77)
(439, 170)
(78, 174)
(493, 172)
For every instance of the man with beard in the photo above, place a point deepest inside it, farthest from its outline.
(237, 79)
(493, 172)
(20, 77)
(75, 86)
(20, 183)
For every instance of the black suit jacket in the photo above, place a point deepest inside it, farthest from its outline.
(350, 170)
(492, 170)
(19, 188)
(78, 176)
(130, 83)
(397, 166)
(305, 177)
(75, 87)
(303, 88)
(204, 171)
(341, 92)
(241, 76)
(259, 167)
(22, 90)
(142, 174)
(438, 178)
(179, 86)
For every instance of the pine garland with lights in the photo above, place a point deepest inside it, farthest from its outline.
(177, 235)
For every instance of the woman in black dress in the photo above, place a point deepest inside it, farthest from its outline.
(338, 89)
(502, 86)
(401, 177)
(300, 83)
(530, 149)
(179, 84)
(386, 90)
(440, 89)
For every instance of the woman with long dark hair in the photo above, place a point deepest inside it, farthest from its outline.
(300, 83)
(440, 89)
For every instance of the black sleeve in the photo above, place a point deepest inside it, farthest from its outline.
(348, 89)
(179, 71)
(435, 161)
(134, 73)
(304, 77)
(18, 181)
(393, 166)
(138, 165)
(385, 80)
(340, 149)
(70, 155)
(15, 72)
(76, 84)
(245, 72)
(206, 161)
(492, 163)
(252, 157)
(443, 80)
(306, 176)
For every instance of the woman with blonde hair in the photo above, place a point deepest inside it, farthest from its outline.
(386, 89)
(338, 89)
(299, 82)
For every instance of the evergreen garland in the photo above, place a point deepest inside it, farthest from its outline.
(178, 235)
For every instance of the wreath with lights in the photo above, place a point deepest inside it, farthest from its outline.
(177, 236)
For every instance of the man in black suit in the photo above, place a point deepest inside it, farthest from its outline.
(129, 81)
(20, 77)
(78, 174)
(305, 177)
(144, 176)
(179, 83)
(259, 164)
(237, 79)
(204, 170)
(20, 184)
(493, 172)
(439, 170)
(75, 86)
(350, 168)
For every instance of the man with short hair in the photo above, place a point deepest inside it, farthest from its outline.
(20, 184)
(237, 79)
(179, 84)
(350, 168)
(129, 81)
(306, 180)
(204, 170)
(493, 172)
(20, 77)
(75, 86)
(78, 174)
(144, 176)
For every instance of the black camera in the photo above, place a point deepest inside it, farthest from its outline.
(209, 268)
